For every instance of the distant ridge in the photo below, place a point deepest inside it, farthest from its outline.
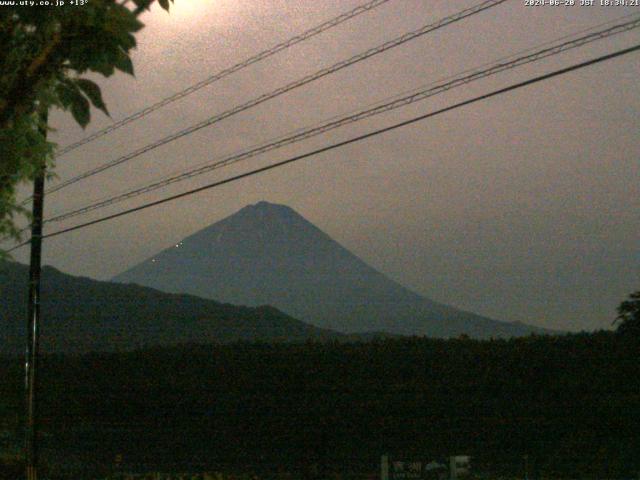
(269, 254)
(83, 315)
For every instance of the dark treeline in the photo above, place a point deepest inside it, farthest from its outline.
(570, 403)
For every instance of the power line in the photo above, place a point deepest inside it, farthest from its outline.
(287, 88)
(331, 125)
(312, 32)
(371, 105)
(479, 98)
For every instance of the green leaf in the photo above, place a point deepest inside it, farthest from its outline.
(123, 62)
(143, 4)
(127, 42)
(72, 99)
(65, 94)
(120, 19)
(103, 67)
(92, 91)
(164, 4)
(81, 111)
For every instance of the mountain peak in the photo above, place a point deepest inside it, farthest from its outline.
(266, 208)
(267, 253)
(263, 204)
(263, 218)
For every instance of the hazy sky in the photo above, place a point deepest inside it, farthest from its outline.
(523, 207)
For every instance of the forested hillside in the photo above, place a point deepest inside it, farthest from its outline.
(572, 404)
(81, 315)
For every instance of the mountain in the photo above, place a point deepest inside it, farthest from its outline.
(82, 315)
(269, 254)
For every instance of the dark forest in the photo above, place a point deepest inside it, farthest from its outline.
(571, 404)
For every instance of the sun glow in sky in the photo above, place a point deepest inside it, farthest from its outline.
(188, 8)
(192, 12)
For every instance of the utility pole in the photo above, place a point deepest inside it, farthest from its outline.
(33, 315)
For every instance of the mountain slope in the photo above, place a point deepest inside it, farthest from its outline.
(269, 254)
(80, 315)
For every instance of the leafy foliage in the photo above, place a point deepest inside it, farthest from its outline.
(629, 315)
(45, 50)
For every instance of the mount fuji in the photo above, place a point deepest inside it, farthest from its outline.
(268, 254)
